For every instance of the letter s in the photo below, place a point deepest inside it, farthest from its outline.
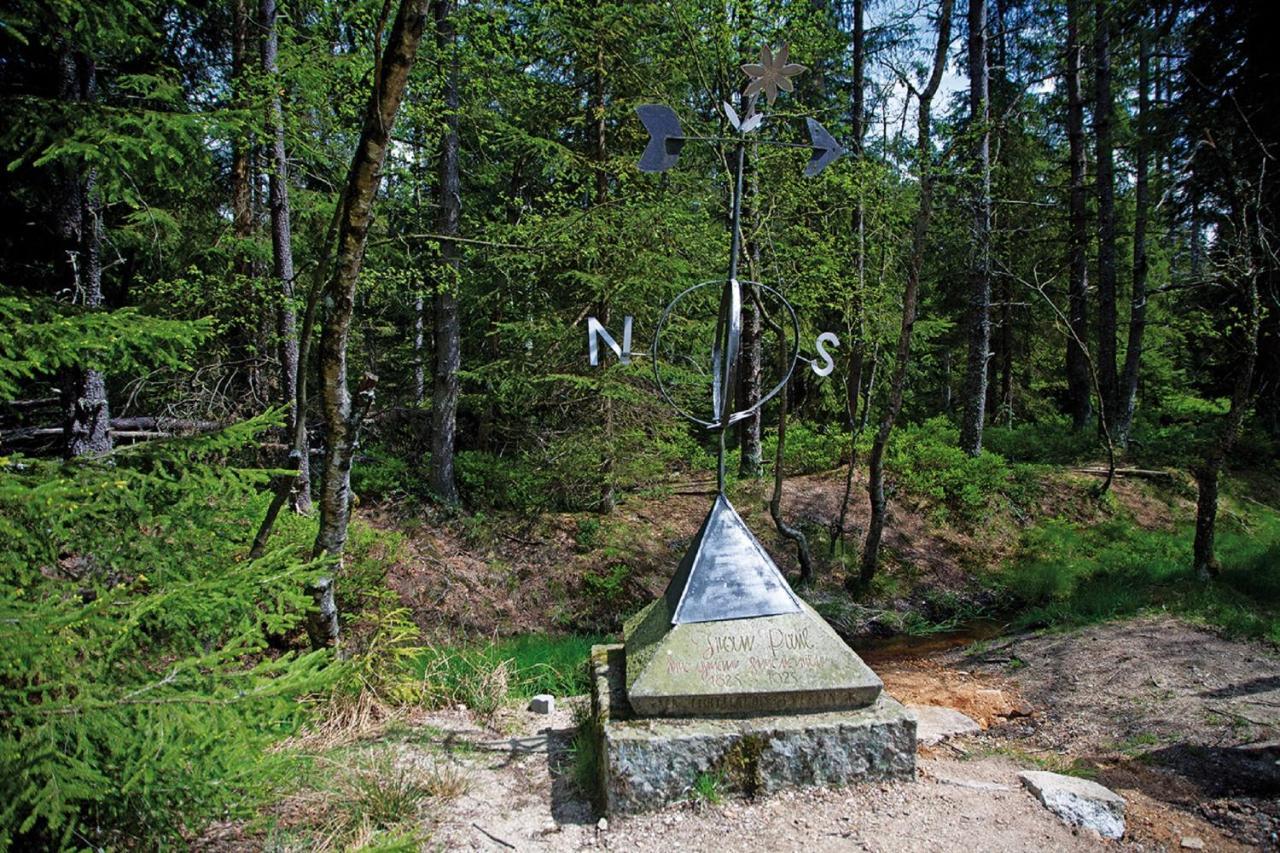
(828, 363)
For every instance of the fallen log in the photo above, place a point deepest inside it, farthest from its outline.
(1141, 473)
(124, 428)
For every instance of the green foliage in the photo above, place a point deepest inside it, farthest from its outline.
(531, 663)
(1050, 441)
(926, 461)
(1068, 574)
(383, 793)
(382, 476)
(39, 338)
(137, 693)
(809, 449)
(606, 586)
(495, 482)
(707, 789)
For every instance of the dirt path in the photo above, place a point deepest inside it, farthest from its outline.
(1180, 722)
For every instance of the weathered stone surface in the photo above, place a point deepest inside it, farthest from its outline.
(936, 723)
(646, 763)
(543, 703)
(1078, 802)
(789, 662)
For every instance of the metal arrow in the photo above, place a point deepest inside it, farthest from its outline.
(825, 149)
(666, 137)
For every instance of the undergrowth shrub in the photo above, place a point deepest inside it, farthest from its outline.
(926, 460)
(809, 450)
(1066, 573)
(1049, 441)
(138, 696)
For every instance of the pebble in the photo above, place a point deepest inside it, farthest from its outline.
(1192, 842)
(603, 824)
(543, 703)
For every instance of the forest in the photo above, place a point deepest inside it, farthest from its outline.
(298, 426)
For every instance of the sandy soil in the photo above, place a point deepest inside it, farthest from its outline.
(1180, 722)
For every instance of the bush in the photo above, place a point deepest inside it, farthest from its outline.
(1051, 441)
(137, 693)
(808, 449)
(383, 476)
(927, 461)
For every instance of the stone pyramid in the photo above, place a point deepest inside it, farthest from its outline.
(730, 637)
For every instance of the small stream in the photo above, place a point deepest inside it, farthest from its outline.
(885, 649)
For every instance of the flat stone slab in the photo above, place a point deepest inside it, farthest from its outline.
(1078, 802)
(936, 723)
(784, 663)
(645, 763)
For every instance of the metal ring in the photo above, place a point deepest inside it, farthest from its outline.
(734, 417)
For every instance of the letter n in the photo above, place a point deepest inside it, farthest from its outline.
(596, 331)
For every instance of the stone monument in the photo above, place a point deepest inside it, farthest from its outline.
(729, 675)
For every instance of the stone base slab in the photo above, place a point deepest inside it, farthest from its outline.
(646, 763)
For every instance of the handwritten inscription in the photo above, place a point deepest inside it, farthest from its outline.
(777, 640)
(764, 658)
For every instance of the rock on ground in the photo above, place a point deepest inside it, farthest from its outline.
(1079, 802)
(935, 723)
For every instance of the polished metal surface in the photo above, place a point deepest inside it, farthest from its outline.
(825, 149)
(666, 138)
(727, 574)
(733, 417)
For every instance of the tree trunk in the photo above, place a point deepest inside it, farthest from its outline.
(1142, 209)
(419, 347)
(241, 150)
(795, 534)
(599, 154)
(86, 413)
(1103, 122)
(859, 106)
(857, 308)
(1079, 394)
(282, 266)
(975, 383)
(390, 79)
(446, 389)
(1204, 560)
(910, 298)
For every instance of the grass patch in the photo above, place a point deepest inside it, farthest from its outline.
(529, 664)
(1067, 574)
(707, 789)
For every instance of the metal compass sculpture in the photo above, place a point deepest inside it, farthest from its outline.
(726, 574)
(667, 138)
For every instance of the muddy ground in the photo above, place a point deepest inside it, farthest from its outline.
(1180, 722)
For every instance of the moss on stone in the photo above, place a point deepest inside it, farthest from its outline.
(740, 764)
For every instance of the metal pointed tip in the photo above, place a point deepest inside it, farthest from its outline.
(825, 149)
(666, 137)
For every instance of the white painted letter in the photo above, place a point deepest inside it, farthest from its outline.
(594, 330)
(829, 363)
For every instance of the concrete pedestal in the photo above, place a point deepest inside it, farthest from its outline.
(646, 763)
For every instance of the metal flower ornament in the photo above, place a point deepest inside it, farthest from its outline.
(666, 140)
(773, 73)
